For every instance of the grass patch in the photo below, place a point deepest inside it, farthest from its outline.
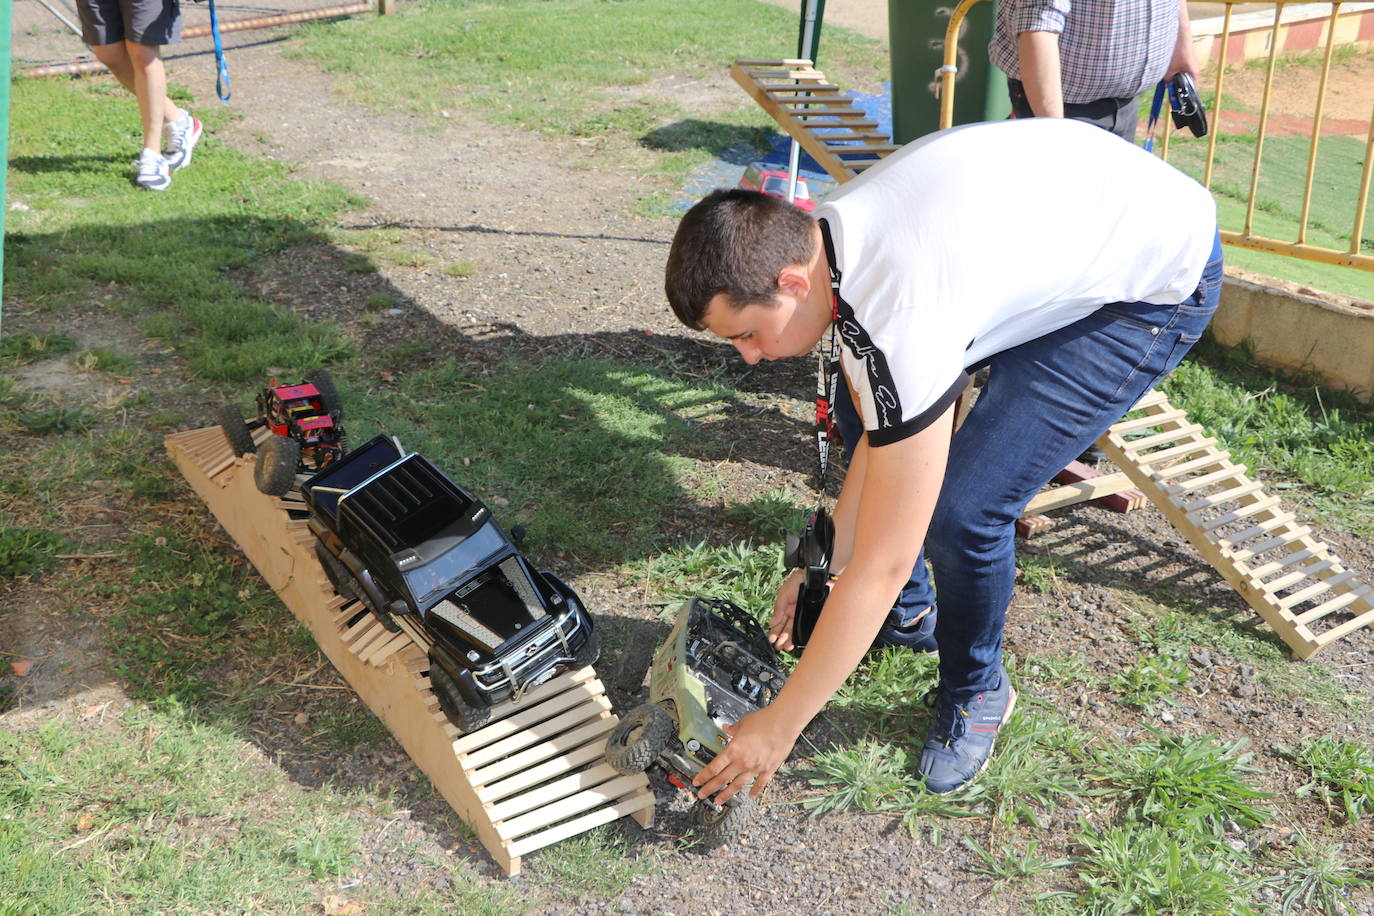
(1342, 774)
(1316, 875)
(592, 70)
(25, 551)
(24, 348)
(598, 864)
(167, 262)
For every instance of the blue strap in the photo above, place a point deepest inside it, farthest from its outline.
(221, 65)
(1156, 107)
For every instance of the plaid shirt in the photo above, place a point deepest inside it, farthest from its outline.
(1108, 49)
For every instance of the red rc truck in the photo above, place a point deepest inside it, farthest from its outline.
(306, 423)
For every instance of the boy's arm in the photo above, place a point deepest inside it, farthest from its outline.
(900, 484)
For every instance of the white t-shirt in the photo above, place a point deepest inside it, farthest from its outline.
(974, 240)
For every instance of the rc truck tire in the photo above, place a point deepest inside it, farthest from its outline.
(467, 718)
(235, 430)
(277, 462)
(717, 825)
(329, 395)
(589, 653)
(337, 573)
(639, 738)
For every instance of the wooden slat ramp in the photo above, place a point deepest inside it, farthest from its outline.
(840, 137)
(1292, 579)
(533, 776)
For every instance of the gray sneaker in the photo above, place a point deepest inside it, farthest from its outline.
(153, 174)
(182, 137)
(962, 735)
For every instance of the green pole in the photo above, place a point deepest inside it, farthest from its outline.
(5, 12)
(916, 37)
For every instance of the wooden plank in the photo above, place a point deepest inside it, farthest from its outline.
(1225, 496)
(1235, 515)
(529, 715)
(1178, 451)
(551, 791)
(1169, 435)
(1331, 606)
(1174, 471)
(1151, 398)
(535, 733)
(1274, 586)
(1299, 556)
(1249, 553)
(1278, 519)
(1193, 484)
(543, 751)
(1320, 587)
(1121, 427)
(582, 824)
(1072, 493)
(1350, 626)
(510, 785)
(551, 812)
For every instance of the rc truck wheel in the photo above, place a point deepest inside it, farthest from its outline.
(235, 430)
(638, 739)
(337, 574)
(277, 463)
(329, 395)
(467, 718)
(716, 825)
(589, 653)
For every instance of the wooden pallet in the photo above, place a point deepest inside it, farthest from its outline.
(1291, 579)
(533, 776)
(839, 136)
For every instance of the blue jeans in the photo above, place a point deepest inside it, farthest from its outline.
(1044, 403)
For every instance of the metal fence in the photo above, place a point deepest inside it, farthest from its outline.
(1277, 30)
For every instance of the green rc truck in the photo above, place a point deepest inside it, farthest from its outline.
(715, 667)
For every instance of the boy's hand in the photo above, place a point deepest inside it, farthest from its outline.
(784, 609)
(759, 743)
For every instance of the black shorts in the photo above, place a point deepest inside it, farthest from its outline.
(144, 22)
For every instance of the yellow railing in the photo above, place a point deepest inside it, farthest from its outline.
(1246, 237)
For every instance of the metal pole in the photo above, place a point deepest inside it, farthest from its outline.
(65, 21)
(808, 43)
(6, 11)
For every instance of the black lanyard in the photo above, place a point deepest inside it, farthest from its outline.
(827, 369)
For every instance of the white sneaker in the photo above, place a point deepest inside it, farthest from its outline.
(183, 134)
(153, 174)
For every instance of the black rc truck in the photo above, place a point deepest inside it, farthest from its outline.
(398, 535)
(715, 667)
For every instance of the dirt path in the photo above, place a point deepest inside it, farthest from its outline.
(558, 254)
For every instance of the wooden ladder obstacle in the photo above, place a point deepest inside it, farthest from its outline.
(535, 775)
(816, 114)
(1292, 580)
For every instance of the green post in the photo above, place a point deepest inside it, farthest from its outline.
(5, 10)
(916, 38)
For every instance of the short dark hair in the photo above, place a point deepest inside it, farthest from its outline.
(734, 242)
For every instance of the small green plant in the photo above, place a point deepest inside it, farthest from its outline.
(1152, 870)
(1180, 783)
(1038, 573)
(24, 348)
(1316, 876)
(1157, 677)
(870, 776)
(380, 302)
(56, 419)
(360, 264)
(1030, 774)
(327, 852)
(1342, 774)
(104, 359)
(1012, 864)
(772, 516)
(460, 269)
(25, 551)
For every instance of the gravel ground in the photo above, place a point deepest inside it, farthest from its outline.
(562, 263)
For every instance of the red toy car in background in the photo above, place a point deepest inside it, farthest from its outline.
(306, 421)
(759, 177)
